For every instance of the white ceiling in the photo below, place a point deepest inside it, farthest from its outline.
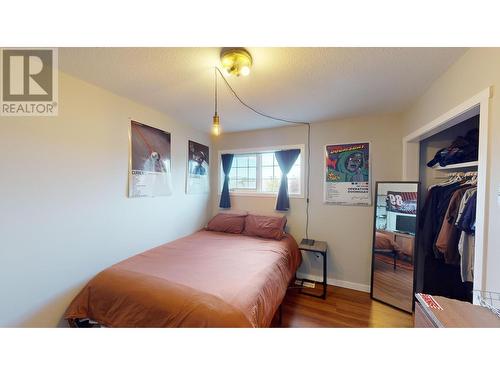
(304, 84)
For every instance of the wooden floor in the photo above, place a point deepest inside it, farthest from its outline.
(394, 286)
(342, 308)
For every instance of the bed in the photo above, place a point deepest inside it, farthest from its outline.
(207, 279)
(384, 241)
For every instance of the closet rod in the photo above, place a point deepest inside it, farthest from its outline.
(458, 174)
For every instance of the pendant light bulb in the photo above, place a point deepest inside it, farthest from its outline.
(216, 125)
(215, 120)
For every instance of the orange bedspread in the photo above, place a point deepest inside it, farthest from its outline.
(207, 279)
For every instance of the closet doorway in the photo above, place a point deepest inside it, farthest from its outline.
(478, 105)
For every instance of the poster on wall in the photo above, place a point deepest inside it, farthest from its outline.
(404, 202)
(150, 164)
(347, 174)
(197, 174)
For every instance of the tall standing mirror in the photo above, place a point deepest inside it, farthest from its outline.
(394, 243)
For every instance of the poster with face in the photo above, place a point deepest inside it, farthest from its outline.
(150, 165)
(198, 169)
(347, 174)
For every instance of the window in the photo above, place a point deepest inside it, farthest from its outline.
(243, 175)
(271, 175)
(259, 173)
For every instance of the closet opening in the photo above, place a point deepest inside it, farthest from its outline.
(448, 175)
(448, 157)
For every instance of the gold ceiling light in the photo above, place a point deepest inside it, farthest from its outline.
(236, 61)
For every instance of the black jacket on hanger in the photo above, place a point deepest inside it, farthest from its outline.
(432, 215)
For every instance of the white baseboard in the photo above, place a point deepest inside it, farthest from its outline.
(335, 282)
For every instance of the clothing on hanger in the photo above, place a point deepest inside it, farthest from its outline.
(465, 199)
(440, 212)
(449, 235)
(466, 246)
(431, 217)
(466, 223)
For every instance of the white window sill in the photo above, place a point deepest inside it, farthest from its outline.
(262, 195)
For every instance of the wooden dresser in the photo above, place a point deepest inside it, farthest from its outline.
(441, 312)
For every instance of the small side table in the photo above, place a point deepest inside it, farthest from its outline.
(319, 247)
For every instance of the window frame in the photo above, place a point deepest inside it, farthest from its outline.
(259, 150)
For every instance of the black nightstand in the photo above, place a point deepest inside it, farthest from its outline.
(319, 247)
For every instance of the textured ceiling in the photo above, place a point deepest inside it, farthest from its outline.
(304, 84)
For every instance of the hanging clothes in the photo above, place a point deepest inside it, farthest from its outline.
(443, 206)
(448, 249)
(449, 235)
(466, 222)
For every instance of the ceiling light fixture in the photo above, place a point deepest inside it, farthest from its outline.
(236, 61)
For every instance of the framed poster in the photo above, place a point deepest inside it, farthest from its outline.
(150, 172)
(197, 181)
(346, 178)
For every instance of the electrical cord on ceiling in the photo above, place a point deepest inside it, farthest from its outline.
(308, 124)
(253, 109)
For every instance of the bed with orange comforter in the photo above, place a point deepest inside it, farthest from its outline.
(207, 279)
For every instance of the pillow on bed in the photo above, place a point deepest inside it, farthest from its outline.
(265, 226)
(227, 222)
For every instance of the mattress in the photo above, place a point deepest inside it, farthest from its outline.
(207, 279)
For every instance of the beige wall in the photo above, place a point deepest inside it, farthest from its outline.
(64, 211)
(475, 71)
(347, 229)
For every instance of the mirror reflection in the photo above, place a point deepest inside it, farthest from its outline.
(393, 255)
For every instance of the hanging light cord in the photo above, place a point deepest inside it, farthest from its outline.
(215, 73)
(276, 119)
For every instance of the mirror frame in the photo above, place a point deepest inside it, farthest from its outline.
(416, 252)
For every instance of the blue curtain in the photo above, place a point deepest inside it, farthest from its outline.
(285, 159)
(227, 163)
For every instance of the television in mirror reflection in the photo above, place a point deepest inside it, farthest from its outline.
(393, 250)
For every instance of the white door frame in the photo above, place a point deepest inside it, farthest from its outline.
(411, 166)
